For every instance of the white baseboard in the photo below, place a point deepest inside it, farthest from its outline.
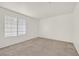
(77, 48)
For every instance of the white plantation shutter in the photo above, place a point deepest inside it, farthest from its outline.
(10, 26)
(14, 26)
(21, 26)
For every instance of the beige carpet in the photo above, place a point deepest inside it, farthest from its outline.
(40, 47)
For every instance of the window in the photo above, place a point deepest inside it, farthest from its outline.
(14, 26)
(21, 26)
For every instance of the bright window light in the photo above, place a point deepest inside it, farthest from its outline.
(14, 26)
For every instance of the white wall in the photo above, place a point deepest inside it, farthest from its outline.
(59, 28)
(32, 29)
(76, 27)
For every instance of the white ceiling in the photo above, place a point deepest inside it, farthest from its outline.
(40, 10)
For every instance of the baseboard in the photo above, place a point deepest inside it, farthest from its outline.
(7, 45)
(59, 39)
(55, 40)
(77, 48)
(34, 38)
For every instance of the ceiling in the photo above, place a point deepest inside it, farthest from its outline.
(40, 10)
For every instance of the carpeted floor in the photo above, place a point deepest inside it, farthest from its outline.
(40, 47)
